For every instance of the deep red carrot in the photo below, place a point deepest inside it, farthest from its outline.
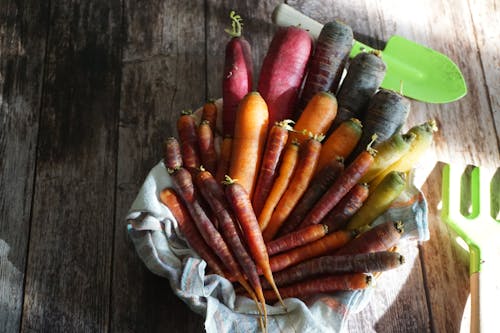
(214, 195)
(314, 249)
(306, 165)
(379, 238)
(208, 156)
(329, 284)
(346, 208)
(189, 230)
(183, 185)
(283, 70)
(188, 138)
(172, 154)
(209, 113)
(318, 186)
(276, 140)
(340, 187)
(296, 239)
(238, 74)
(333, 264)
(239, 201)
(224, 159)
(280, 184)
(327, 63)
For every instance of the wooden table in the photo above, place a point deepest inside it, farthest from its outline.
(88, 90)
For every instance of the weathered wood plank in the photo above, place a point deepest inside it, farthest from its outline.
(486, 27)
(70, 251)
(163, 72)
(22, 49)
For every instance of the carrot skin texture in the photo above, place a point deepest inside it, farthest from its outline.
(339, 216)
(341, 142)
(328, 60)
(365, 74)
(386, 113)
(188, 139)
(306, 165)
(277, 138)
(172, 157)
(283, 70)
(316, 118)
(296, 239)
(379, 238)
(237, 80)
(206, 143)
(424, 134)
(322, 246)
(186, 225)
(209, 113)
(287, 167)
(379, 200)
(250, 133)
(388, 152)
(241, 205)
(318, 186)
(214, 195)
(184, 187)
(354, 281)
(224, 159)
(339, 188)
(339, 264)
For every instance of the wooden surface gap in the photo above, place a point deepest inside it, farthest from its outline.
(33, 186)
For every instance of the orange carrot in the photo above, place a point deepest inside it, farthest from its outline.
(317, 248)
(208, 156)
(333, 264)
(346, 208)
(316, 118)
(186, 225)
(239, 200)
(340, 187)
(329, 284)
(188, 138)
(306, 165)
(318, 186)
(250, 132)
(287, 167)
(276, 140)
(341, 142)
(296, 239)
(379, 238)
(224, 159)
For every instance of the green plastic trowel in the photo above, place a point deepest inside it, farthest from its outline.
(414, 70)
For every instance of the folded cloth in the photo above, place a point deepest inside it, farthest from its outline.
(164, 251)
(162, 248)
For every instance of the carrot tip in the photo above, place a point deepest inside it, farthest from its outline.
(369, 280)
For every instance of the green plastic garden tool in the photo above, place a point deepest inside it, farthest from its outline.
(470, 201)
(414, 70)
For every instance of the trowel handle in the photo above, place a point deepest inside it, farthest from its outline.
(284, 16)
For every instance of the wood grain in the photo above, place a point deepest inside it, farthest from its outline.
(23, 32)
(70, 251)
(88, 92)
(163, 73)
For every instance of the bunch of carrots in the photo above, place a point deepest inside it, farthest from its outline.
(284, 207)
